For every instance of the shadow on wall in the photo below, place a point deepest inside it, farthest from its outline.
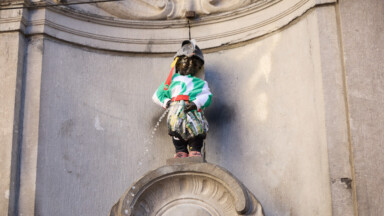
(221, 116)
(240, 110)
(244, 118)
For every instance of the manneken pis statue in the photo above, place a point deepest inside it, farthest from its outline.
(186, 95)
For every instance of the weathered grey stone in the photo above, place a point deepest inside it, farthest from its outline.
(200, 188)
(335, 112)
(11, 70)
(91, 120)
(266, 127)
(362, 36)
(157, 10)
(83, 27)
(13, 20)
(31, 125)
(177, 161)
(284, 117)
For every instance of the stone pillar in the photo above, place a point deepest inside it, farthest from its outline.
(335, 112)
(12, 47)
(31, 115)
(362, 39)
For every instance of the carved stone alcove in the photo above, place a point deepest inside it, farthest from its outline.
(185, 187)
(158, 26)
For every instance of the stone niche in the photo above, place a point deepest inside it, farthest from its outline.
(188, 186)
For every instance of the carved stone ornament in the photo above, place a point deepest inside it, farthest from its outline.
(152, 26)
(187, 187)
(169, 9)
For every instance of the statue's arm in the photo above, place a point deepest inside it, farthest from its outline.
(204, 98)
(161, 96)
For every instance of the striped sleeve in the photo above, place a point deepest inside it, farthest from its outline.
(203, 99)
(161, 96)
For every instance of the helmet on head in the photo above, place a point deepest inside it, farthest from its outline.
(189, 49)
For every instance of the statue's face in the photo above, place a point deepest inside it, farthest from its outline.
(188, 65)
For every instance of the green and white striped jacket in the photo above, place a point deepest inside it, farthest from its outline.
(193, 88)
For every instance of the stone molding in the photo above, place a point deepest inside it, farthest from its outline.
(172, 9)
(164, 36)
(185, 184)
(13, 20)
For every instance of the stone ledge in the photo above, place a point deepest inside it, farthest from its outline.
(188, 160)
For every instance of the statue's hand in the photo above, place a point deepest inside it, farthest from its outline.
(190, 106)
(168, 104)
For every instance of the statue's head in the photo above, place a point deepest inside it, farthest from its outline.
(190, 58)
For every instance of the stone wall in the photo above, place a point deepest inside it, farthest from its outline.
(361, 32)
(267, 128)
(293, 105)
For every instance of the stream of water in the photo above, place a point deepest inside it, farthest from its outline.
(149, 142)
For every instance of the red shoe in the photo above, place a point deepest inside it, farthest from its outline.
(181, 155)
(194, 154)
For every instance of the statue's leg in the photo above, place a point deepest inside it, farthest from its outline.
(180, 147)
(195, 145)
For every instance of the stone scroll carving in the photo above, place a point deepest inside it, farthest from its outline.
(91, 26)
(170, 9)
(188, 189)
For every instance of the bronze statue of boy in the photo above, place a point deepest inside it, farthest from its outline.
(186, 95)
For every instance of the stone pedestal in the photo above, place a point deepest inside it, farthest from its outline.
(188, 186)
